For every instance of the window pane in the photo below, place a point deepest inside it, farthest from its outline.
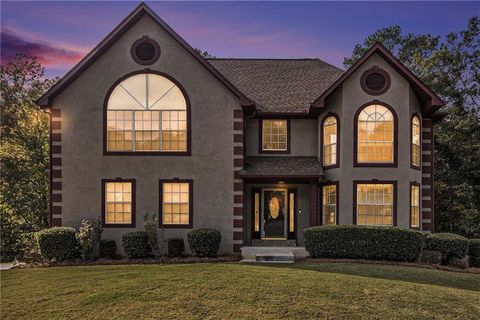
(416, 141)
(274, 135)
(176, 203)
(375, 134)
(374, 204)
(415, 206)
(329, 141)
(329, 208)
(118, 202)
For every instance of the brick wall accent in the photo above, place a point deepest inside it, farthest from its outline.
(55, 168)
(238, 187)
(427, 176)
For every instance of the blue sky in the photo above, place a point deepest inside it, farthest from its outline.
(60, 33)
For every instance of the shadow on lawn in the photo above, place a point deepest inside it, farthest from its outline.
(458, 280)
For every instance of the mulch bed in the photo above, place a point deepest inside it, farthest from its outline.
(394, 263)
(124, 261)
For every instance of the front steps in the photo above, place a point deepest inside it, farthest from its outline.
(273, 254)
(273, 243)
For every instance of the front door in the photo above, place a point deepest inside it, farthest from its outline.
(274, 213)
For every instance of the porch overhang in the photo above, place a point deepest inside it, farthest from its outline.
(278, 169)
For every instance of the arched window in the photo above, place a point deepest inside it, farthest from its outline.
(415, 153)
(375, 135)
(330, 141)
(146, 112)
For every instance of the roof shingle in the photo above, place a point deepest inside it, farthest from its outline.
(279, 85)
(282, 167)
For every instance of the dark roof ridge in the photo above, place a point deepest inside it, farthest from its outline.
(278, 59)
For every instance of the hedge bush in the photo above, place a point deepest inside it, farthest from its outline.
(204, 242)
(58, 243)
(449, 244)
(474, 252)
(176, 246)
(363, 242)
(135, 244)
(108, 249)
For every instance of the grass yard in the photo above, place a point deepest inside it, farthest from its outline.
(238, 291)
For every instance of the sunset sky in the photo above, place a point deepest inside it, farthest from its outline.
(61, 33)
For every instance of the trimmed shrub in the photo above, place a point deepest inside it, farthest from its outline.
(108, 249)
(449, 244)
(204, 242)
(431, 257)
(474, 252)
(135, 244)
(363, 242)
(175, 247)
(58, 243)
(88, 237)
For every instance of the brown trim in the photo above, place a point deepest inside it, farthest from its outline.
(57, 137)
(313, 203)
(420, 194)
(56, 173)
(56, 222)
(56, 125)
(260, 137)
(57, 197)
(122, 225)
(337, 164)
(56, 161)
(56, 185)
(190, 203)
(50, 166)
(141, 10)
(238, 151)
(284, 115)
(337, 204)
(255, 234)
(148, 153)
(411, 141)
(145, 39)
(292, 235)
(56, 149)
(375, 181)
(238, 223)
(419, 87)
(395, 137)
(363, 81)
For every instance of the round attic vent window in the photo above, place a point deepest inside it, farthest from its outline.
(375, 81)
(145, 51)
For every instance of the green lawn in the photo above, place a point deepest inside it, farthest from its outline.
(238, 291)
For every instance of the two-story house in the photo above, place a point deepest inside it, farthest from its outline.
(257, 148)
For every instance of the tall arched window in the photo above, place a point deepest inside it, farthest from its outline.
(330, 141)
(375, 135)
(147, 112)
(415, 153)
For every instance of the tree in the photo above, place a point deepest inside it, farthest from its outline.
(24, 153)
(204, 54)
(450, 66)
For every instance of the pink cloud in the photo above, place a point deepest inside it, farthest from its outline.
(49, 53)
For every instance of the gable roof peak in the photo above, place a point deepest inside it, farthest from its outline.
(419, 87)
(142, 9)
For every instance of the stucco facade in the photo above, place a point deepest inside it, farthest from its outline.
(225, 160)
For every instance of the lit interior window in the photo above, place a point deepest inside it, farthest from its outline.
(329, 208)
(118, 202)
(375, 204)
(274, 135)
(176, 203)
(415, 206)
(146, 112)
(375, 135)
(416, 141)
(330, 141)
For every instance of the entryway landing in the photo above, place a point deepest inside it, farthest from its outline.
(273, 254)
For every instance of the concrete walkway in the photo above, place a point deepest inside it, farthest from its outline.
(6, 265)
